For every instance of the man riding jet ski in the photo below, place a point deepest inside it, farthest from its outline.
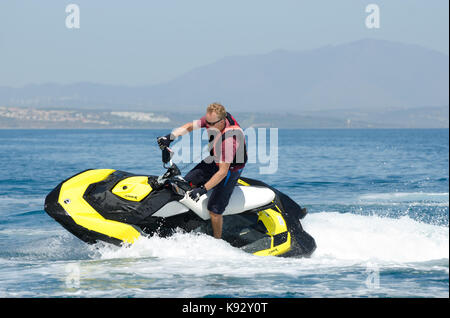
(221, 170)
(119, 207)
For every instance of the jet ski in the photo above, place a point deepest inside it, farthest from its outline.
(119, 207)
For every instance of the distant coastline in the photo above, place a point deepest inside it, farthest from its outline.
(63, 118)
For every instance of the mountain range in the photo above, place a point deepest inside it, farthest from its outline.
(368, 76)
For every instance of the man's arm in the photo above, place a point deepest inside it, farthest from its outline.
(165, 141)
(186, 128)
(183, 130)
(196, 193)
(218, 176)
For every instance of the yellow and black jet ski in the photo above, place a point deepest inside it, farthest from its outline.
(119, 207)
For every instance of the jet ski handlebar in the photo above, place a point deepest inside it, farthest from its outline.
(167, 155)
(172, 176)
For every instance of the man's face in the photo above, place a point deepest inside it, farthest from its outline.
(213, 120)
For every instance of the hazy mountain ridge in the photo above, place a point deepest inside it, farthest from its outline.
(366, 76)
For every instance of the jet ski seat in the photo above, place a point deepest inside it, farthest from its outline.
(244, 198)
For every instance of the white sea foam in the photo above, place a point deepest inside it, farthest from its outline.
(342, 238)
(365, 238)
(195, 265)
(188, 246)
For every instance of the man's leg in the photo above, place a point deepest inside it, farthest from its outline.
(200, 174)
(216, 222)
(219, 199)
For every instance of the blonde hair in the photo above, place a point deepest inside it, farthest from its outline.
(217, 108)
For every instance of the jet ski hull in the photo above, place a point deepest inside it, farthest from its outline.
(118, 207)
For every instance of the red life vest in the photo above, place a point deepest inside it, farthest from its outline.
(233, 131)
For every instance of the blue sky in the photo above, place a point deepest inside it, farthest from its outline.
(146, 42)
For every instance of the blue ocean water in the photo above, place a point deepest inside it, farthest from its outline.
(378, 204)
